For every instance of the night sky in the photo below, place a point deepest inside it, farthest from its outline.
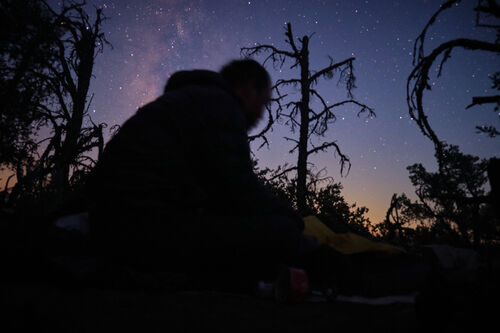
(153, 39)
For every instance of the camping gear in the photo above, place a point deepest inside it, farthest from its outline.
(265, 289)
(385, 300)
(353, 265)
(452, 258)
(292, 285)
(347, 243)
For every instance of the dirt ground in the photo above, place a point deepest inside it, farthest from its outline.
(37, 308)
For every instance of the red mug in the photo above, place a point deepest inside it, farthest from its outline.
(292, 285)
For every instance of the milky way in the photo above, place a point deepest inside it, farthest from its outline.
(153, 39)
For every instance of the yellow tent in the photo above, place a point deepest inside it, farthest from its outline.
(346, 243)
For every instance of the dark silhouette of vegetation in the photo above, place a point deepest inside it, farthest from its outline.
(299, 114)
(47, 73)
(452, 207)
(27, 36)
(46, 67)
(324, 201)
(397, 226)
(418, 80)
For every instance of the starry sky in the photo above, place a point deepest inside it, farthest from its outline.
(152, 39)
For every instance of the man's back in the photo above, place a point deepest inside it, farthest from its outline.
(160, 152)
(176, 169)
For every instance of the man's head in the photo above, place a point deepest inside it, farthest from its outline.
(252, 83)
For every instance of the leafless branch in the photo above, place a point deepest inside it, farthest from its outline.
(418, 81)
(328, 71)
(418, 46)
(484, 100)
(281, 82)
(290, 40)
(276, 56)
(293, 140)
(262, 134)
(282, 173)
(343, 158)
(489, 7)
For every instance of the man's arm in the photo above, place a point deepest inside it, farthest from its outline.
(230, 168)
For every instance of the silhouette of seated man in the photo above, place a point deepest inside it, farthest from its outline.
(174, 189)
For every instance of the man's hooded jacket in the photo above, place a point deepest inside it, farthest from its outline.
(180, 160)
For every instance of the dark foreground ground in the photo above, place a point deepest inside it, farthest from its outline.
(40, 291)
(92, 310)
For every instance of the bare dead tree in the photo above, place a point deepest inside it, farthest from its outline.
(418, 80)
(299, 114)
(77, 54)
(68, 80)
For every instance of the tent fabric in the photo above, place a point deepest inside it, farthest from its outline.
(346, 243)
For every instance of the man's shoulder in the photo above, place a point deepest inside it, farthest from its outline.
(205, 87)
(196, 101)
(192, 95)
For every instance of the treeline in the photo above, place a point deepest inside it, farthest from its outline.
(46, 67)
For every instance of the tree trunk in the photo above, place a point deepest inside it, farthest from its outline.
(304, 128)
(85, 53)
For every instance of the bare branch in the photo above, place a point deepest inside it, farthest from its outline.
(484, 100)
(490, 130)
(290, 139)
(327, 108)
(68, 80)
(282, 173)
(290, 39)
(294, 147)
(262, 134)
(281, 82)
(343, 158)
(88, 104)
(418, 46)
(276, 55)
(418, 81)
(328, 70)
(491, 8)
(6, 188)
(279, 98)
